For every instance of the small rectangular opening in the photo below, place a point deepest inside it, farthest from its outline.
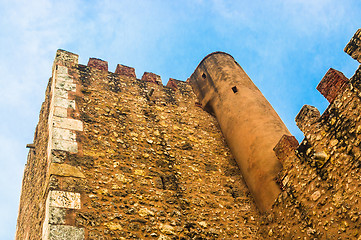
(234, 89)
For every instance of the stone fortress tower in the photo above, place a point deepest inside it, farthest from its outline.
(116, 157)
(249, 124)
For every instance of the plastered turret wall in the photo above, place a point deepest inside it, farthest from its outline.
(120, 157)
(248, 122)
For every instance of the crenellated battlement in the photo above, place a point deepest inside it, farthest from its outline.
(98, 64)
(319, 176)
(151, 77)
(332, 84)
(173, 83)
(307, 118)
(66, 58)
(115, 156)
(125, 71)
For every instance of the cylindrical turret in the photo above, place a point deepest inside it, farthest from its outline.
(249, 124)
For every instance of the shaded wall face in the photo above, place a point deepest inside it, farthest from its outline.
(250, 125)
(32, 201)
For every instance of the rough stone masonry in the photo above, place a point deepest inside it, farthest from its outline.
(117, 157)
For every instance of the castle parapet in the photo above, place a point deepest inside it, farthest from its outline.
(125, 70)
(307, 116)
(172, 83)
(98, 64)
(332, 84)
(151, 77)
(65, 58)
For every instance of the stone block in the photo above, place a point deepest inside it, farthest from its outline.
(62, 232)
(172, 84)
(151, 77)
(353, 48)
(65, 170)
(57, 156)
(66, 58)
(63, 199)
(61, 70)
(285, 147)
(62, 93)
(68, 123)
(65, 78)
(69, 146)
(56, 215)
(60, 112)
(125, 71)
(307, 117)
(64, 103)
(66, 85)
(332, 84)
(98, 64)
(64, 134)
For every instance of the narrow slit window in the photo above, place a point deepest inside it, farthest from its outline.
(234, 89)
(204, 76)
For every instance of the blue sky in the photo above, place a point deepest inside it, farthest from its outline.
(286, 47)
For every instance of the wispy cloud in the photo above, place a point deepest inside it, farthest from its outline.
(285, 46)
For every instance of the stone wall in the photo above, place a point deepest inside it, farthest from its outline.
(116, 157)
(129, 158)
(320, 179)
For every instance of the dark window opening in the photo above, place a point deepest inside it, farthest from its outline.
(234, 89)
(204, 75)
